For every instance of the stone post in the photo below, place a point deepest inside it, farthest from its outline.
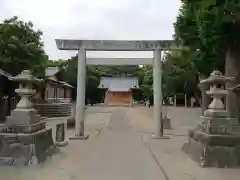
(81, 86)
(205, 99)
(185, 100)
(157, 91)
(175, 100)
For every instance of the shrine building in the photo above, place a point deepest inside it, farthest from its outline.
(118, 90)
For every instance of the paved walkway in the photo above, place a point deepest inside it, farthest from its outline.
(122, 149)
(174, 162)
(65, 164)
(119, 154)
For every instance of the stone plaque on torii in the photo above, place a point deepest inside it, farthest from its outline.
(118, 45)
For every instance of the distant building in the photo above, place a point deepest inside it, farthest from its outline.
(56, 88)
(118, 90)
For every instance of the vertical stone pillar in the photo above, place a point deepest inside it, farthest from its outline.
(157, 92)
(175, 100)
(205, 99)
(81, 86)
(185, 100)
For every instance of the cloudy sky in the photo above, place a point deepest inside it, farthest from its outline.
(96, 19)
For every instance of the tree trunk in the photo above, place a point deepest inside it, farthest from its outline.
(232, 69)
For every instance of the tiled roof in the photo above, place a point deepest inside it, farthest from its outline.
(119, 83)
(59, 82)
(4, 73)
(66, 84)
(50, 71)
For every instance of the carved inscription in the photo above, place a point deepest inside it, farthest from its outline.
(9, 130)
(164, 44)
(115, 45)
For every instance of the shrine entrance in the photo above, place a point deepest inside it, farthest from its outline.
(114, 45)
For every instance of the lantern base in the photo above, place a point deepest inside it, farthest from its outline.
(213, 150)
(20, 149)
(23, 117)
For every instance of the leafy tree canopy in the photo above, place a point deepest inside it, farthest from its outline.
(209, 28)
(179, 76)
(57, 63)
(21, 47)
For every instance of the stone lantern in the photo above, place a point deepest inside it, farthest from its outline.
(217, 92)
(24, 114)
(216, 140)
(24, 136)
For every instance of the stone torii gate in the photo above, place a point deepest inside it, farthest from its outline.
(117, 45)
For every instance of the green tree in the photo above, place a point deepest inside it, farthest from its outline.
(92, 81)
(21, 47)
(179, 75)
(147, 83)
(211, 29)
(57, 63)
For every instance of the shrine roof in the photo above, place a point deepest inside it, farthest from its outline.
(51, 71)
(118, 83)
(4, 73)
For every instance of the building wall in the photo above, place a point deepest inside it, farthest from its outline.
(68, 93)
(60, 92)
(53, 91)
(49, 91)
(118, 98)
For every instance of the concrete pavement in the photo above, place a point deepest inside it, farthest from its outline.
(119, 154)
(63, 165)
(173, 161)
(120, 147)
(114, 151)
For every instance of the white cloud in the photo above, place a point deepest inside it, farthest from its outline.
(94, 19)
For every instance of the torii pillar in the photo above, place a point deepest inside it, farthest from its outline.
(157, 94)
(81, 89)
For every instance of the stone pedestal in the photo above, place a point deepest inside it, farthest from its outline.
(23, 149)
(216, 140)
(218, 150)
(59, 130)
(166, 122)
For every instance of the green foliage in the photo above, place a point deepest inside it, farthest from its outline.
(146, 84)
(58, 63)
(209, 28)
(179, 76)
(21, 47)
(118, 70)
(92, 81)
